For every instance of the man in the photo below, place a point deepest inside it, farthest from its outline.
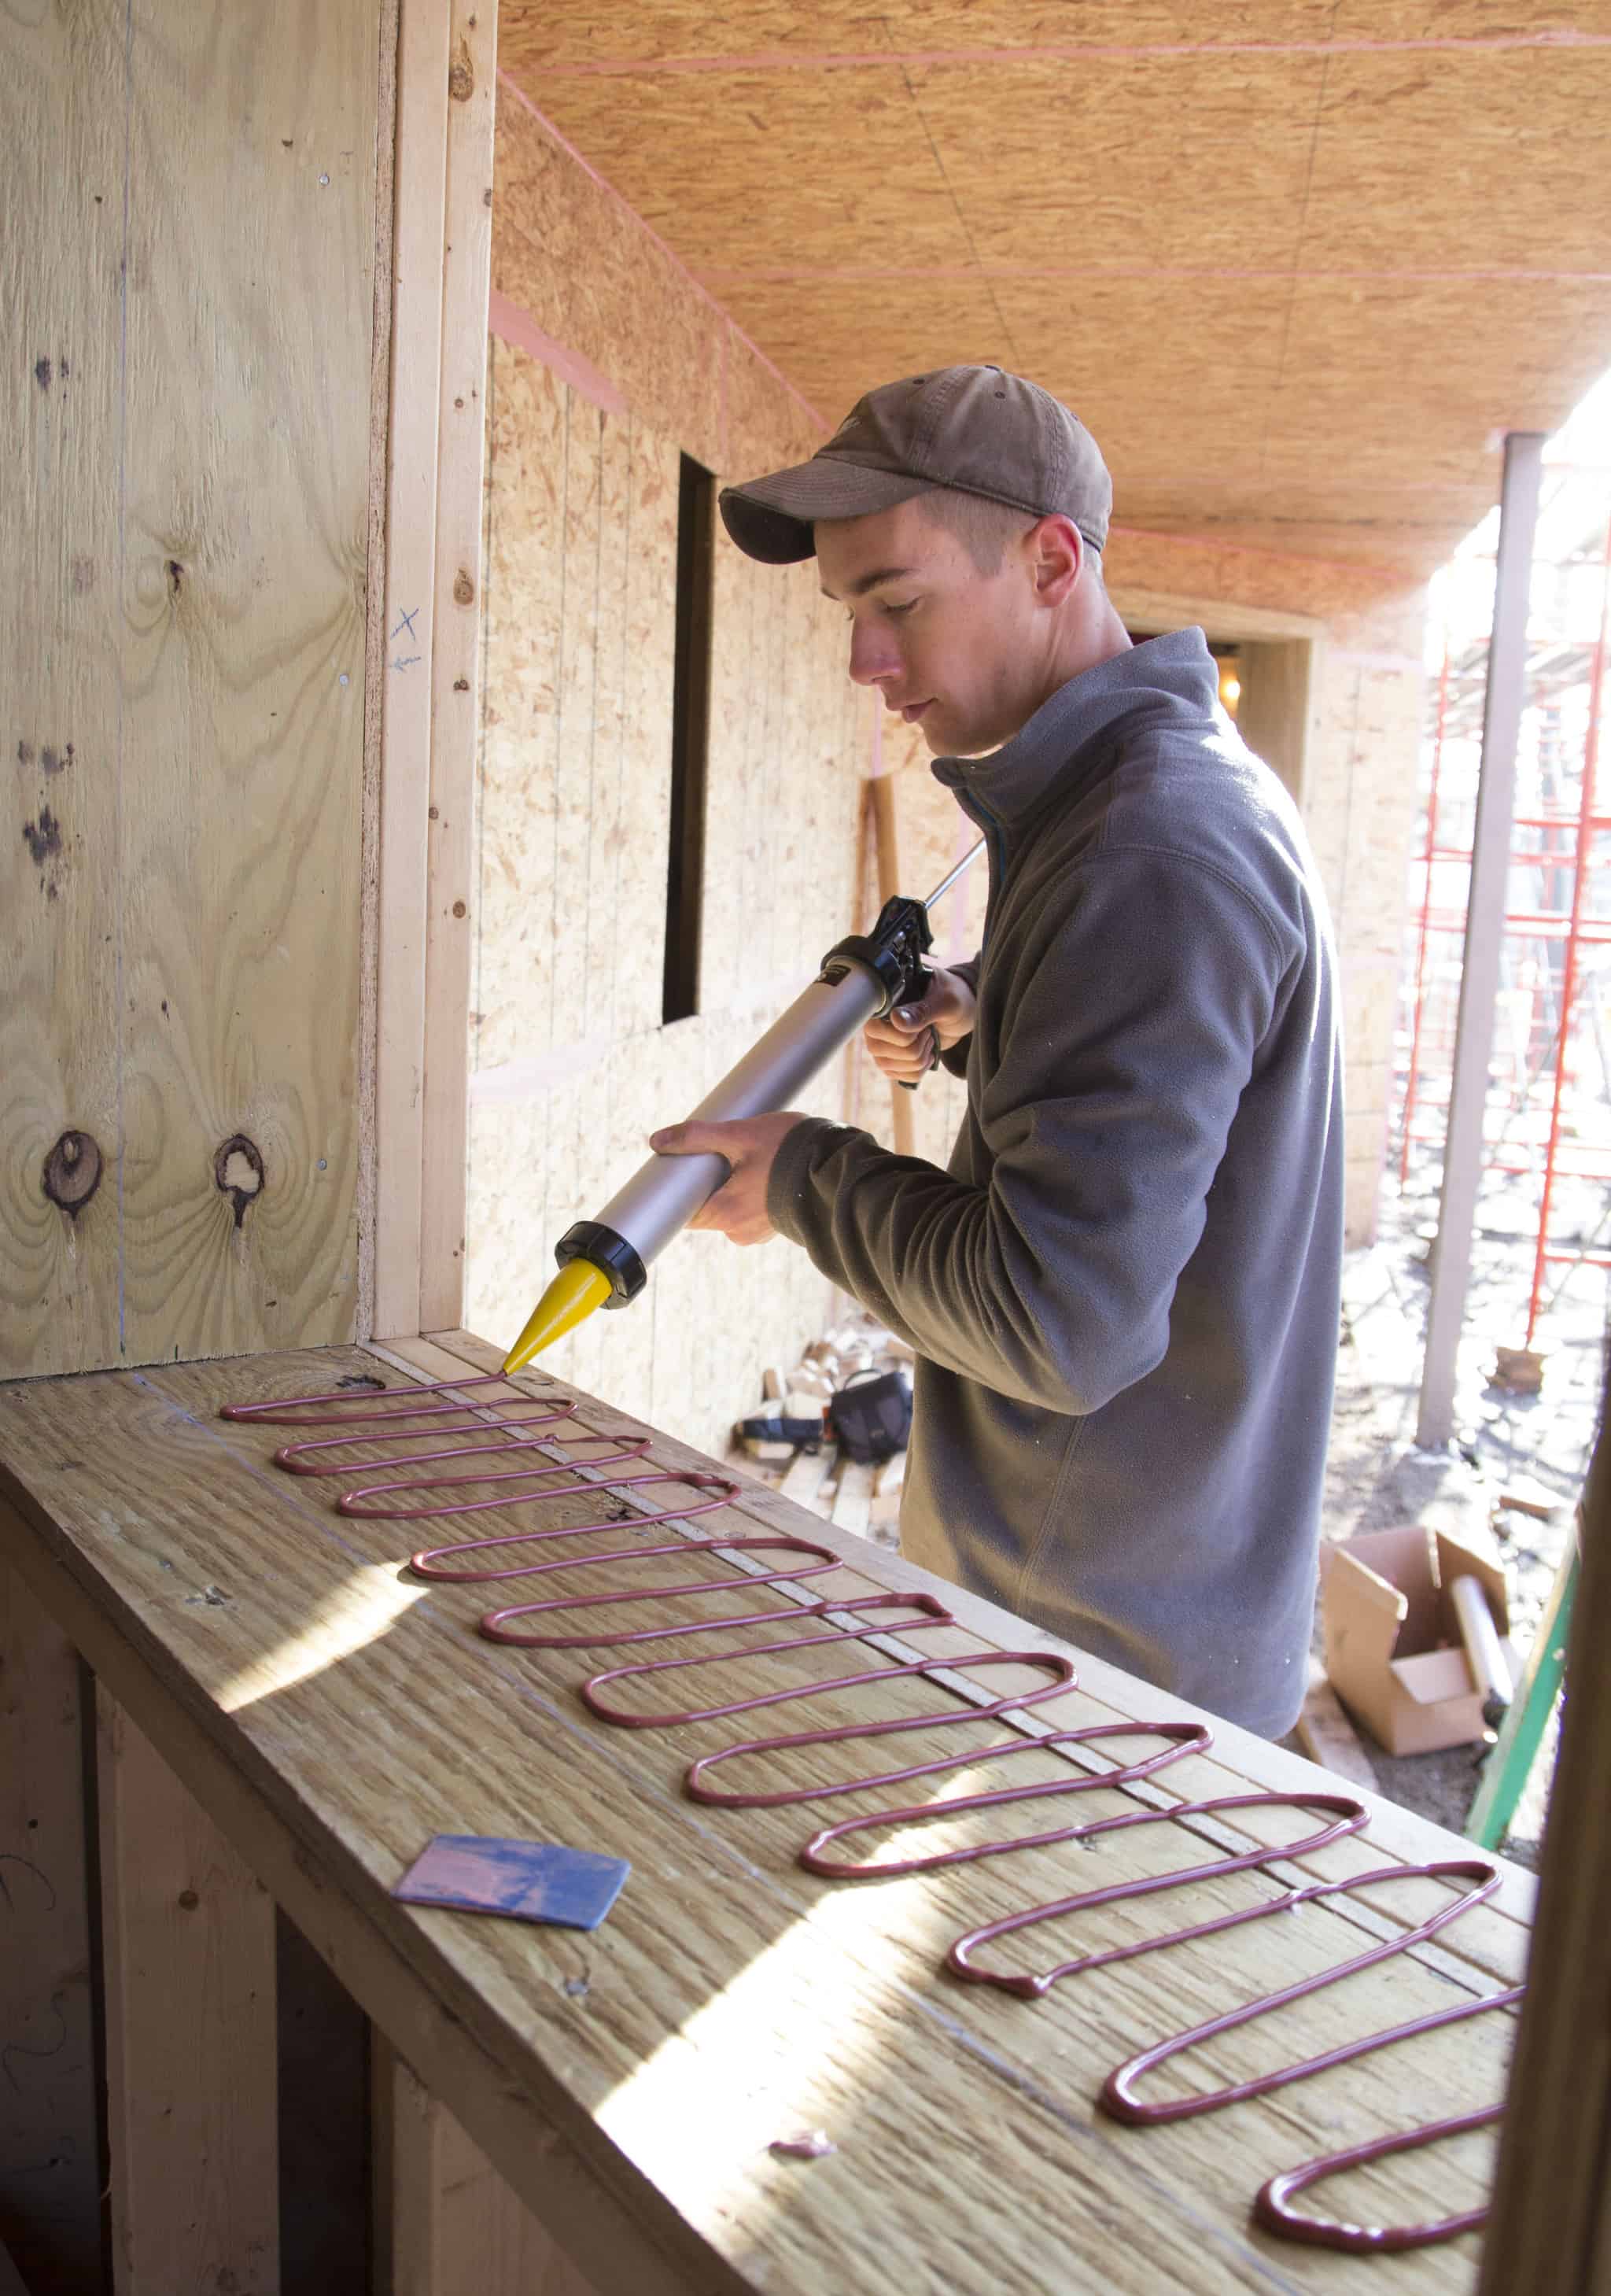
(1123, 1295)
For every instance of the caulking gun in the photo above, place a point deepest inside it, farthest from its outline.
(604, 1262)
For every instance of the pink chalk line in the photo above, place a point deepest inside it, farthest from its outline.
(851, 274)
(513, 324)
(775, 59)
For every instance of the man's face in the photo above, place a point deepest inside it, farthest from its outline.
(955, 651)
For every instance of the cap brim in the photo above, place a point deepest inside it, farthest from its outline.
(771, 519)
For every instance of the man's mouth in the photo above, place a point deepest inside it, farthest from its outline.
(912, 711)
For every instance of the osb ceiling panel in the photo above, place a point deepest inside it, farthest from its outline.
(1297, 262)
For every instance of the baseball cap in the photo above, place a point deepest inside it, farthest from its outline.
(976, 429)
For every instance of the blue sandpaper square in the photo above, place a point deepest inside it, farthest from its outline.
(533, 1880)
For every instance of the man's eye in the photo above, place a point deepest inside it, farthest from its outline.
(906, 609)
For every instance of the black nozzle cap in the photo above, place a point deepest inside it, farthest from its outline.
(609, 1252)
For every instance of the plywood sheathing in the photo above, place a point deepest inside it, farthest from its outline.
(572, 256)
(1293, 266)
(571, 1068)
(189, 268)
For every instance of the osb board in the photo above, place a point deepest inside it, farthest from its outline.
(581, 264)
(568, 40)
(571, 1068)
(347, 1697)
(1258, 331)
(191, 237)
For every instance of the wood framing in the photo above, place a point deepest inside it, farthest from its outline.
(188, 1951)
(50, 2165)
(1551, 2233)
(1275, 713)
(1223, 619)
(442, 238)
(452, 2226)
(420, 177)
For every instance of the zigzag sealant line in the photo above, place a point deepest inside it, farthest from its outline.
(1067, 1746)
(1347, 1816)
(1070, 1747)
(1073, 1748)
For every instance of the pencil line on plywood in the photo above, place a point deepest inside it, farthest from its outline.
(916, 102)
(1290, 303)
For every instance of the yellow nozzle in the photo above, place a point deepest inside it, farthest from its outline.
(577, 1288)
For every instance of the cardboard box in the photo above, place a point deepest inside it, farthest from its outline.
(1393, 1642)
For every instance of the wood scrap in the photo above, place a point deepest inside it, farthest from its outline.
(807, 1475)
(1520, 1371)
(1329, 1737)
(853, 1498)
(1522, 1496)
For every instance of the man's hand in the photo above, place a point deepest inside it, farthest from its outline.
(737, 1209)
(907, 1042)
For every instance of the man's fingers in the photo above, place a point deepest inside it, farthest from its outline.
(909, 1019)
(903, 1060)
(692, 1140)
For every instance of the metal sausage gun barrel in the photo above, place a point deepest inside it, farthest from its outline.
(604, 1261)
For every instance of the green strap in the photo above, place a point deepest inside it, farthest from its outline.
(1509, 1766)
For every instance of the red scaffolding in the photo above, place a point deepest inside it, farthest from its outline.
(1549, 1107)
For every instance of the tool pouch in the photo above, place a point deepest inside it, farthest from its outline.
(871, 1416)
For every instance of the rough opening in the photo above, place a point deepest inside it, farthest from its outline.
(689, 741)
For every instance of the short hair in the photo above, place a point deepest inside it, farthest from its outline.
(984, 527)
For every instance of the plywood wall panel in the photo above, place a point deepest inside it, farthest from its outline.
(214, 508)
(572, 1068)
(764, 425)
(571, 255)
(60, 691)
(245, 485)
(577, 728)
(517, 783)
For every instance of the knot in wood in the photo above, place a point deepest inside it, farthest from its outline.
(72, 1172)
(464, 589)
(237, 1171)
(461, 75)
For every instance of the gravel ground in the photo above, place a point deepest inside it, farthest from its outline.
(1376, 1477)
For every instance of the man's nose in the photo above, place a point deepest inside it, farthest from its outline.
(872, 657)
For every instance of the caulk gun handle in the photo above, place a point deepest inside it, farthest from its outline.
(917, 983)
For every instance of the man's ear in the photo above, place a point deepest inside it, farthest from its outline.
(1058, 555)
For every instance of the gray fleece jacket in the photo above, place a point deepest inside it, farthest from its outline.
(1124, 1293)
